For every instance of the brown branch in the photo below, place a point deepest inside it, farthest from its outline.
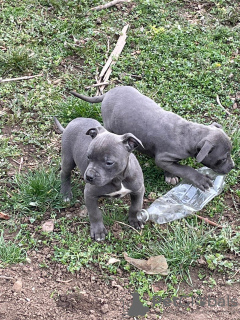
(219, 103)
(97, 85)
(106, 71)
(20, 78)
(6, 278)
(209, 221)
(109, 4)
(64, 281)
(128, 225)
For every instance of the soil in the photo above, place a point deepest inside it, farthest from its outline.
(28, 291)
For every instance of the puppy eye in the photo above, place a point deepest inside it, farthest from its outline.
(109, 163)
(220, 161)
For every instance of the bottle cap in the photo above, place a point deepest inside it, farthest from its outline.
(143, 215)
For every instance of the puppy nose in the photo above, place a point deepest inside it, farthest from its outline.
(90, 176)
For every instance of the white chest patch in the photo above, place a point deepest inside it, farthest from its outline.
(120, 193)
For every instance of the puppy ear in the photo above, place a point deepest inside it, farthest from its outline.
(217, 125)
(206, 148)
(131, 142)
(93, 132)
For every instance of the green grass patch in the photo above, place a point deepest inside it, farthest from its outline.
(10, 252)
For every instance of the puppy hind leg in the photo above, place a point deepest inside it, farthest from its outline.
(66, 169)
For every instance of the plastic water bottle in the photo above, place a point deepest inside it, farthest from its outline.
(182, 200)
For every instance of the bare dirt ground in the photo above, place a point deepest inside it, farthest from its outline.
(28, 291)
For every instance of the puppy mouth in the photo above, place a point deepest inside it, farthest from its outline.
(96, 182)
(223, 171)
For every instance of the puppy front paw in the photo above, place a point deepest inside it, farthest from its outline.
(98, 231)
(135, 223)
(67, 196)
(204, 182)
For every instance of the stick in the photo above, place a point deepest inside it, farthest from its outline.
(235, 273)
(109, 4)
(20, 78)
(219, 103)
(106, 71)
(64, 281)
(7, 278)
(20, 165)
(127, 225)
(97, 85)
(209, 221)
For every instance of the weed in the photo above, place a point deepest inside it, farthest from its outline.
(181, 244)
(16, 60)
(36, 191)
(10, 252)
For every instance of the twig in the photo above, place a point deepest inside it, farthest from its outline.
(234, 203)
(219, 103)
(109, 4)
(64, 281)
(98, 85)
(235, 273)
(106, 71)
(20, 165)
(127, 225)
(7, 278)
(20, 78)
(209, 221)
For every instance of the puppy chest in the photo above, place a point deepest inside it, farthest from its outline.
(120, 193)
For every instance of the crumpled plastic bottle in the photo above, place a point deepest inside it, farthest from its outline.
(182, 200)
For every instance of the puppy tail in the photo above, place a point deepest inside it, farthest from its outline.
(88, 99)
(58, 124)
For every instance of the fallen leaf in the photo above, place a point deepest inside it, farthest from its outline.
(112, 261)
(154, 265)
(17, 287)
(48, 226)
(4, 216)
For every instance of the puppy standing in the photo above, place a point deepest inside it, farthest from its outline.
(107, 164)
(166, 136)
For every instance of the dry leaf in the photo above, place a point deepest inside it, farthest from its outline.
(112, 261)
(17, 287)
(4, 216)
(154, 265)
(48, 226)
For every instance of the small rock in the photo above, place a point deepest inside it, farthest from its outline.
(48, 226)
(41, 280)
(235, 106)
(105, 308)
(201, 261)
(82, 212)
(17, 287)
(28, 260)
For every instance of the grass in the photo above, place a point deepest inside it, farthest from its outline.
(10, 252)
(179, 54)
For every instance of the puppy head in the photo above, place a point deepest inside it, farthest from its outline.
(108, 155)
(214, 151)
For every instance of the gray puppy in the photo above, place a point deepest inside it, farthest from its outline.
(166, 136)
(107, 165)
